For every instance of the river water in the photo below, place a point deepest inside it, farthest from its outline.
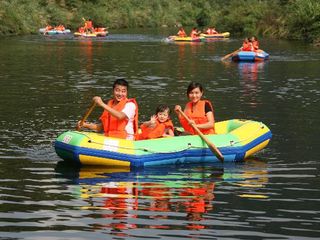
(46, 86)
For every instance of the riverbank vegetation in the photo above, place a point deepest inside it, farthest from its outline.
(288, 19)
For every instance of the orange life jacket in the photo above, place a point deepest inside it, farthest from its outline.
(88, 24)
(182, 33)
(211, 31)
(255, 45)
(156, 132)
(198, 115)
(112, 126)
(247, 46)
(194, 34)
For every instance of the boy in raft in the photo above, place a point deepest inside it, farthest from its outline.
(158, 126)
(120, 116)
(200, 112)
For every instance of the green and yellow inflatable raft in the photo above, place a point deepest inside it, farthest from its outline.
(236, 139)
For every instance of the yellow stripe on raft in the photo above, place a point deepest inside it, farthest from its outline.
(91, 160)
(99, 142)
(257, 148)
(250, 127)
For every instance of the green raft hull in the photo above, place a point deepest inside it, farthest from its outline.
(236, 139)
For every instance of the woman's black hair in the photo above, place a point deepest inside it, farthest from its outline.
(121, 82)
(162, 108)
(194, 85)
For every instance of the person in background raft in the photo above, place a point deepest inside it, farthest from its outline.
(88, 25)
(120, 116)
(200, 112)
(195, 33)
(255, 43)
(158, 126)
(211, 31)
(246, 45)
(181, 32)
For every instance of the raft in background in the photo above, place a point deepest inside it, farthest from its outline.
(250, 56)
(214, 36)
(54, 31)
(100, 32)
(185, 39)
(236, 139)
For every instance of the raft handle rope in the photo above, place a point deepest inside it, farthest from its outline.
(232, 142)
(189, 146)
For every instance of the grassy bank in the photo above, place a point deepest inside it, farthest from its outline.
(289, 19)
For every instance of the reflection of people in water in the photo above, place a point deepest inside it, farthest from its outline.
(200, 202)
(121, 198)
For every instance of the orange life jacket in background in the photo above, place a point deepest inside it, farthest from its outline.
(112, 126)
(198, 115)
(247, 46)
(182, 33)
(211, 31)
(255, 45)
(156, 132)
(194, 34)
(88, 24)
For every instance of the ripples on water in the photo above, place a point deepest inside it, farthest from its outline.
(204, 202)
(273, 196)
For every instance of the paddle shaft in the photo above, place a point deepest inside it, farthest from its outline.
(212, 147)
(229, 55)
(93, 105)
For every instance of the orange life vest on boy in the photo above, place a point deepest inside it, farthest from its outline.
(156, 132)
(112, 126)
(198, 115)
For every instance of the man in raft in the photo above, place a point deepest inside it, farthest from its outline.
(120, 116)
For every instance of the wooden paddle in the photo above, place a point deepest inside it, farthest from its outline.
(93, 105)
(229, 55)
(212, 147)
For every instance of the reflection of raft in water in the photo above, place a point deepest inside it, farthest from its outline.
(236, 139)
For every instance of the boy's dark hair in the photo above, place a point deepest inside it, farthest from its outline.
(162, 108)
(121, 82)
(194, 85)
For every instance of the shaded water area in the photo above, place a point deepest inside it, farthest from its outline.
(47, 85)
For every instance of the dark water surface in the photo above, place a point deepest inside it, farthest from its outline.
(47, 85)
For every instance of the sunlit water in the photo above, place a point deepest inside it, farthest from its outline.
(47, 85)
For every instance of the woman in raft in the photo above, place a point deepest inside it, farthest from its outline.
(199, 111)
(158, 126)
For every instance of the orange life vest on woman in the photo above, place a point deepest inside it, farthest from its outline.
(198, 115)
(156, 132)
(112, 126)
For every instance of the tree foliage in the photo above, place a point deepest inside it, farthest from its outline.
(296, 19)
